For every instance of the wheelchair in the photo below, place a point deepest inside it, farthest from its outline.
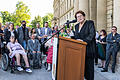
(7, 62)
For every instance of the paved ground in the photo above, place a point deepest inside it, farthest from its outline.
(107, 75)
(42, 74)
(36, 75)
(98, 76)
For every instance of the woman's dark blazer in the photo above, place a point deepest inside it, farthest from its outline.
(8, 34)
(87, 34)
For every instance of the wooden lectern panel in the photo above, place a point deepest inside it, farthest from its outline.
(71, 60)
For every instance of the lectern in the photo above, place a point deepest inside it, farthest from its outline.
(71, 59)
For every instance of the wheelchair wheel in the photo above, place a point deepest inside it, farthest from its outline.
(4, 62)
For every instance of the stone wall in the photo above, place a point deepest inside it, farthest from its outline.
(109, 15)
(105, 13)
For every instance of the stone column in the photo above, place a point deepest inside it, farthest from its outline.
(84, 6)
(116, 16)
(58, 12)
(93, 11)
(101, 14)
(76, 5)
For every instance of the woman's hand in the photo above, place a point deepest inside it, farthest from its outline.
(39, 37)
(34, 52)
(45, 36)
(97, 40)
(103, 42)
(38, 51)
(79, 39)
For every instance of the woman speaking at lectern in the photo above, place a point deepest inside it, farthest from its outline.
(85, 31)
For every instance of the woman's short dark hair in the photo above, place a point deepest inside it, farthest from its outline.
(104, 31)
(81, 12)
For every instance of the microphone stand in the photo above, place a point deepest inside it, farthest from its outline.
(67, 23)
(54, 35)
(57, 33)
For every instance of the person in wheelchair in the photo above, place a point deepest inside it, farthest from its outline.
(34, 49)
(16, 49)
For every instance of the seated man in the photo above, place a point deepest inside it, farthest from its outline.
(15, 50)
(34, 48)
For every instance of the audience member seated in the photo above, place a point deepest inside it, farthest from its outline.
(34, 48)
(15, 50)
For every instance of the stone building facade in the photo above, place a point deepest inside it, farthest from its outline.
(105, 13)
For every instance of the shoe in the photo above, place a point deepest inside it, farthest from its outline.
(113, 71)
(49, 67)
(96, 63)
(19, 69)
(100, 66)
(104, 70)
(28, 70)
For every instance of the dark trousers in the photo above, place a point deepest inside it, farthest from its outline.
(35, 58)
(96, 60)
(89, 68)
(96, 55)
(43, 48)
(108, 56)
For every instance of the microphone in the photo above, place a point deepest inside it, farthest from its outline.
(73, 21)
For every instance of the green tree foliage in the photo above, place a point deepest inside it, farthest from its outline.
(48, 18)
(6, 16)
(37, 19)
(42, 20)
(21, 13)
(0, 20)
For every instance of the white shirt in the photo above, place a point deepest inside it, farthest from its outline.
(12, 33)
(79, 29)
(46, 31)
(33, 41)
(16, 30)
(39, 30)
(97, 35)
